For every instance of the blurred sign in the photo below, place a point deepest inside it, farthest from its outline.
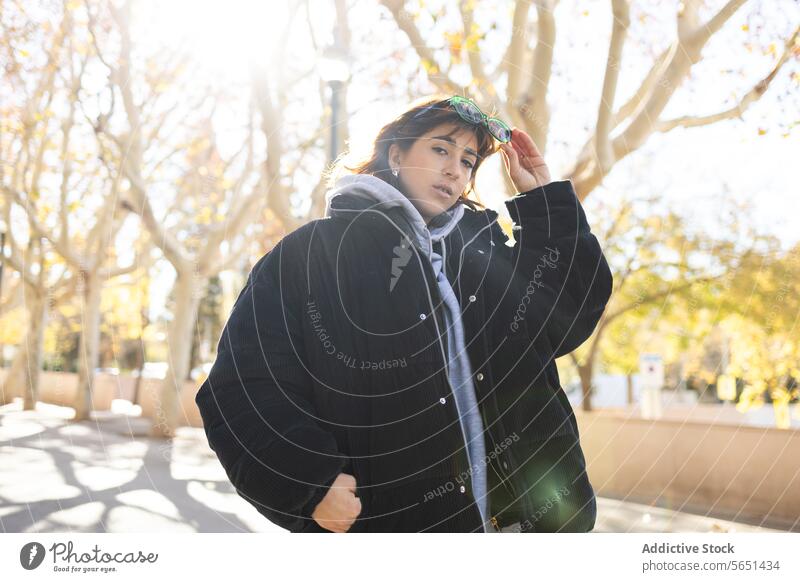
(726, 388)
(651, 370)
(782, 417)
(651, 375)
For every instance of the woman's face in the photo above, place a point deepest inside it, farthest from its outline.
(437, 168)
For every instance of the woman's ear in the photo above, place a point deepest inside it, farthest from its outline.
(393, 156)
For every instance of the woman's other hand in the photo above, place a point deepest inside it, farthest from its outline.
(524, 163)
(340, 507)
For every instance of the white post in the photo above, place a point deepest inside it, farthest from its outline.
(651, 372)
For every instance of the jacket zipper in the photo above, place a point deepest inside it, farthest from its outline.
(503, 479)
(443, 341)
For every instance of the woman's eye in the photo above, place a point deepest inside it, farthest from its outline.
(467, 163)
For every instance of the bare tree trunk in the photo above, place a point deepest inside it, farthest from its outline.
(23, 377)
(140, 368)
(140, 355)
(89, 342)
(629, 381)
(188, 291)
(585, 372)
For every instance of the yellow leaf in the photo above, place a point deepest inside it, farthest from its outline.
(782, 417)
(506, 224)
(455, 43)
(12, 326)
(204, 217)
(429, 67)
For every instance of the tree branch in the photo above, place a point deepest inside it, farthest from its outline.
(705, 31)
(535, 101)
(516, 49)
(737, 110)
(406, 24)
(621, 22)
(655, 297)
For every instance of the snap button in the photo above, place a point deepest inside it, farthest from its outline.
(479, 376)
(422, 316)
(491, 242)
(472, 298)
(442, 400)
(462, 489)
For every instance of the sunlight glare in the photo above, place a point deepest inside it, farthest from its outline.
(225, 36)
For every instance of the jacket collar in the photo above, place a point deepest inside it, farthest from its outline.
(356, 194)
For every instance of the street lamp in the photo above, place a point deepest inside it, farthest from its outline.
(2, 266)
(3, 253)
(334, 68)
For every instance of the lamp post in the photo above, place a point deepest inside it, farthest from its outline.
(2, 266)
(3, 253)
(334, 68)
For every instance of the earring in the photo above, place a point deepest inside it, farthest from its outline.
(395, 171)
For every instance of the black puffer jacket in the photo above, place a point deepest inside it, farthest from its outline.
(324, 367)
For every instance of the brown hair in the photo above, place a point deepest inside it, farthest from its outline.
(422, 115)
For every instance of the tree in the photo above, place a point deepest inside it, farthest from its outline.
(658, 265)
(761, 332)
(213, 204)
(51, 175)
(520, 82)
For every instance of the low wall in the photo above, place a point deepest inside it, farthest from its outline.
(751, 473)
(60, 388)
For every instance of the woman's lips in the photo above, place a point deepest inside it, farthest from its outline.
(442, 191)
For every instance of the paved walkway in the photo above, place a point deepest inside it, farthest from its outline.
(106, 475)
(628, 517)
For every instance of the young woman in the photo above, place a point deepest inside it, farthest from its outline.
(390, 368)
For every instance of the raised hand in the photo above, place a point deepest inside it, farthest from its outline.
(523, 162)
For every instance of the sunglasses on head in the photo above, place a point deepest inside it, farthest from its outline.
(471, 113)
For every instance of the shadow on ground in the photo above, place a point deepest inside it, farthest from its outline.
(106, 475)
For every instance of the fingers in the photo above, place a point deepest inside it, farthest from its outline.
(511, 153)
(340, 511)
(346, 482)
(524, 143)
(351, 513)
(347, 516)
(356, 507)
(510, 159)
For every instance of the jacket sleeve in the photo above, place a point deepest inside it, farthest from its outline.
(256, 404)
(568, 281)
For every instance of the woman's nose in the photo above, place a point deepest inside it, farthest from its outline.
(451, 169)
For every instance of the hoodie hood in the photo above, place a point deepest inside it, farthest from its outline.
(356, 193)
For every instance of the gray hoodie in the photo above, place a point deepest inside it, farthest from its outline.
(379, 196)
